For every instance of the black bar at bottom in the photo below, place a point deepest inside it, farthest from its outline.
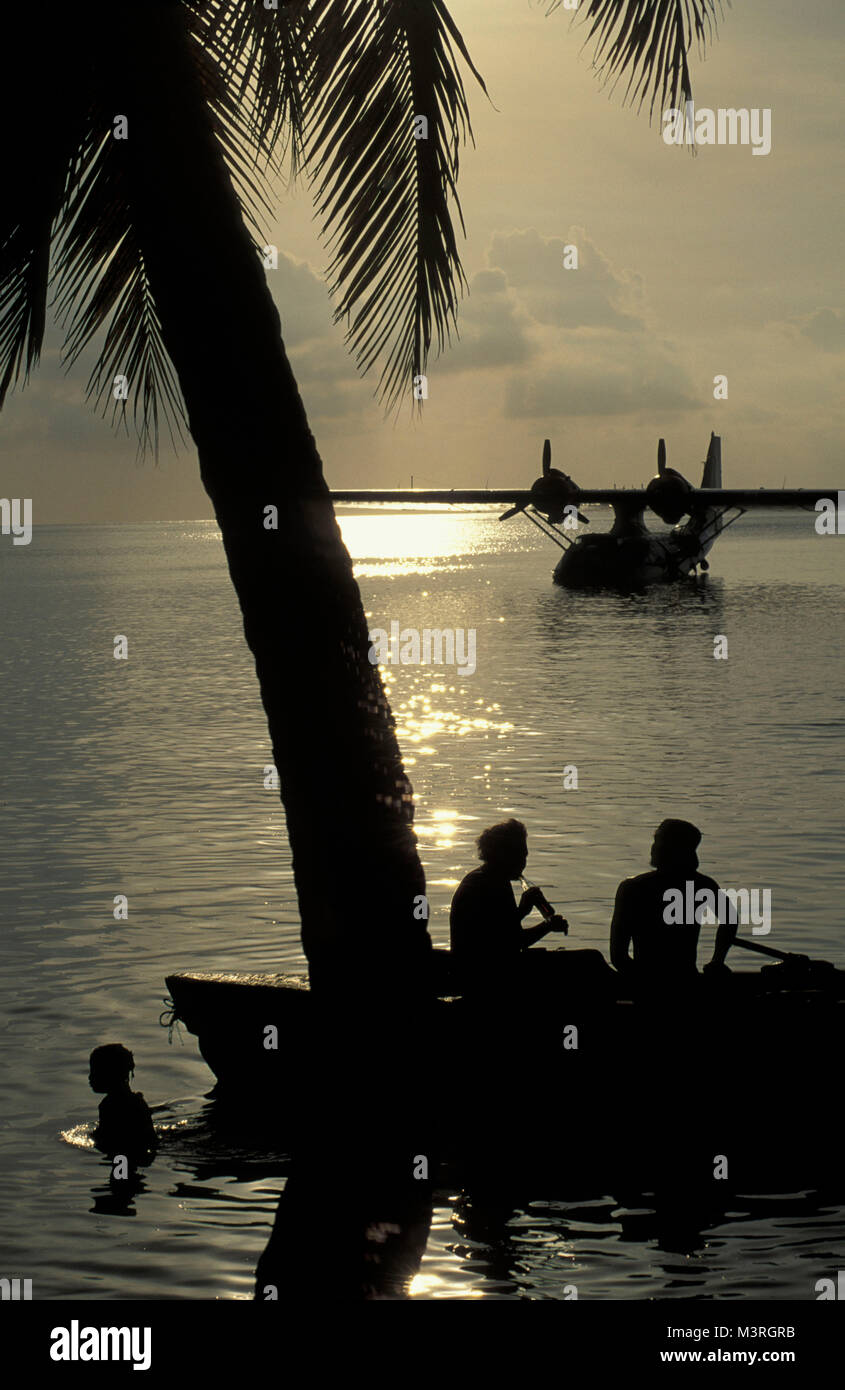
(256, 1343)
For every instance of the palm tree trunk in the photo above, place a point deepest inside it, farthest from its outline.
(347, 799)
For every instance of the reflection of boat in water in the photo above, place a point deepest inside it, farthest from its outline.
(739, 1067)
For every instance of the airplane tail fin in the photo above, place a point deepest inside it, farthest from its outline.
(713, 467)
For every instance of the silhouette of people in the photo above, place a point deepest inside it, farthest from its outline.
(487, 936)
(126, 1124)
(665, 948)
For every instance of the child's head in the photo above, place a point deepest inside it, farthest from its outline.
(109, 1066)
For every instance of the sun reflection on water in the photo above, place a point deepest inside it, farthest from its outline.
(80, 1136)
(422, 723)
(411, 543)
(432, 1286)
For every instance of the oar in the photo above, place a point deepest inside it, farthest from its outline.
(824, 967)
(767, 950)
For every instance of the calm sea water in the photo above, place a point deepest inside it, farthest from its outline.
(145, 777)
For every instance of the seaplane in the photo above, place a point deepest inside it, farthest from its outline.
(629, 555)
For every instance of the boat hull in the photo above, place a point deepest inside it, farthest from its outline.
(632, 561)
(742, 1068)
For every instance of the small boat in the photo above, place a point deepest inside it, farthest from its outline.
(778, 1029)
(572, 1076)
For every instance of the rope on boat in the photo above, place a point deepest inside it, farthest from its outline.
(169, 1019)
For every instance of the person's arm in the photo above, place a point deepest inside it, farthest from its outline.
(102, 1133)
(532, 934)
(527, 903)
(620, 931)
(146, 1127)
(725, 935)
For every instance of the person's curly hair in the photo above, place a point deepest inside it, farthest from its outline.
(493, 841)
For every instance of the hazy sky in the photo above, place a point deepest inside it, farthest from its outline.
(728, 263)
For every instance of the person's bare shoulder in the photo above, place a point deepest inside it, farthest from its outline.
(631, 886)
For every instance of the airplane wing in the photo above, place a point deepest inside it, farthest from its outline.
(610, 496)
(806, 497)
(458, 496)
(669, 494)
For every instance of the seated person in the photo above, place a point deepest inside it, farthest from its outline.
(126, 1125)
(665, 949)
(487, 935)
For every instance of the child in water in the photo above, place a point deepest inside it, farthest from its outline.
(126, 1125)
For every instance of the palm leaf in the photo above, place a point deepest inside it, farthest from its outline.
(100, 280)
(24, 271)
(333, 84)
(42, 120)
(651, 40)
(384, 196)
(101, 283)
(259, 56)
(81, 199)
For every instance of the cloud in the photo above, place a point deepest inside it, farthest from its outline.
(825, 328)
(593, 296)
(593, 383)
(302, 299)
(326, 375)
(493, 327)
(324, 367)
(567, 342)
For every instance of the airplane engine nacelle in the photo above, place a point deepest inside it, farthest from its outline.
(669, 496)
(554, 492)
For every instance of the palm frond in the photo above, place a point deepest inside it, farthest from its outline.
(82, 199)
(650, 40)
(234, 127)
(259, 56)
(101, 283)
(99, 277)
(372, 67)
(42, 121)
(335, 85)
(24, 273)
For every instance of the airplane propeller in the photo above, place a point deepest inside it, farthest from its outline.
(668, 491)
(551, 493)
(512, 511)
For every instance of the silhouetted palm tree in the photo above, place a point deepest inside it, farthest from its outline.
(149, 242)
